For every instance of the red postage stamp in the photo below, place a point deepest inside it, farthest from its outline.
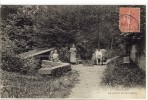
(129, 19)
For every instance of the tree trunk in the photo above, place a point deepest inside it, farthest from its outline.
(111, 44)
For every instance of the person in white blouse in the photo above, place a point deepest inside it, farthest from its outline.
(55, 56)
(98, 56)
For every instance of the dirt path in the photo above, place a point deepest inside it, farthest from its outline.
(88, 87)
(90, 77)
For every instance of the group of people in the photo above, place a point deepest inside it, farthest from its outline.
(54, 56)
(97, 57)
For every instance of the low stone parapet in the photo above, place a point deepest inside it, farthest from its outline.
(50, 67)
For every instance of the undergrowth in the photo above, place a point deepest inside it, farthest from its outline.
(30, 86)
(127, 75)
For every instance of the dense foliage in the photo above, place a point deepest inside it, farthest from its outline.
(10, 63)
(127, 75)
(25, 28)
(30, 86)
(47, 26)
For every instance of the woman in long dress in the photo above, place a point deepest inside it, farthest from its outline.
(73, 52)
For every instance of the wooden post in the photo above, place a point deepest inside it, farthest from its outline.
(134, 50)
(98, 40)
(111, 47)
(133, 53)
(126, 59)
(98, 32)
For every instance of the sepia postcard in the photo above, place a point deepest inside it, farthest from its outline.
(73, 51)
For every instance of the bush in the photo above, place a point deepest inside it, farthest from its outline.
(127, 75)
(12, 63)
(115, 52)
(142, 62)
(31, 65)
(34, 86)
(64, 54)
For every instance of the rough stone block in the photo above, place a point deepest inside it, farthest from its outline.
(43, 71)
(49, 67)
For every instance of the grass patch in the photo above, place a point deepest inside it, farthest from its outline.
(127, 75)
(29, 86)
(142, 62)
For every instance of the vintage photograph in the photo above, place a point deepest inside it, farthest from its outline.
(73, 51)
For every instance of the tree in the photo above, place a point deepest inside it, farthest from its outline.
(30, 27)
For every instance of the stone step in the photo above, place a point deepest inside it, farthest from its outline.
(47, 62)
(48, 67)
(43, 71)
